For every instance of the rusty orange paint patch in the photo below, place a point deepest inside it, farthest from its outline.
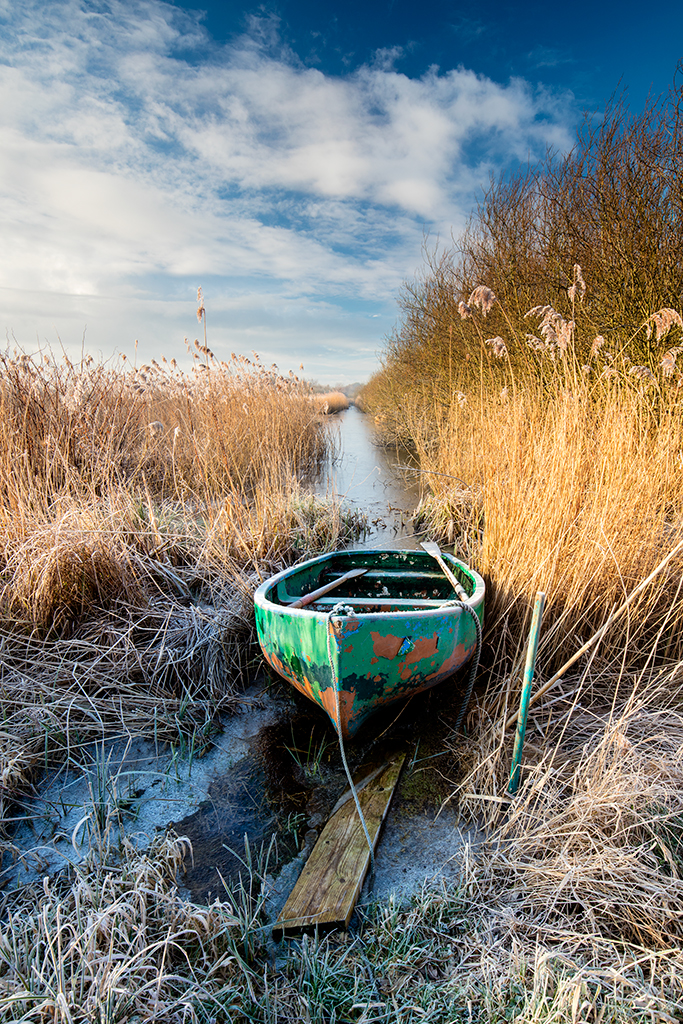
(328, 699)
(460, 655)
(423, 649)
(386, 646)
(279, 666)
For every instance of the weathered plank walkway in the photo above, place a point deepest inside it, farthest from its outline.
(330, 883)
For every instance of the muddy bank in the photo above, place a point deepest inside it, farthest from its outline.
(280, 795)
(260, 796)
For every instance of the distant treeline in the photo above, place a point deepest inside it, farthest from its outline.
(350, 390)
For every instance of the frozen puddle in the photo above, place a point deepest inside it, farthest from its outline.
(124, 786)
(418, 850)
(271, 778)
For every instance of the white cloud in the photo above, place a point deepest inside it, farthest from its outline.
(129, 174)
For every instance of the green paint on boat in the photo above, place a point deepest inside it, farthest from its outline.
(396, 633)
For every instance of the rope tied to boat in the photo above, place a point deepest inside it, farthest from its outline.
(474, 667)
(342, 610)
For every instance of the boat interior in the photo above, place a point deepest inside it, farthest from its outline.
(392, 581)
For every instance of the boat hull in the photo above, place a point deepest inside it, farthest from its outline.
(352, 664)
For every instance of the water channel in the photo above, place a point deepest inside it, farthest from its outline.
(371, 480)
(274, 773)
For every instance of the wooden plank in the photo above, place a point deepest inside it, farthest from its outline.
(330, 883)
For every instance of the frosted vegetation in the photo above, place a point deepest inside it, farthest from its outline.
(535, 373)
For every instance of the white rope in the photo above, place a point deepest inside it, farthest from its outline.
(340, 609)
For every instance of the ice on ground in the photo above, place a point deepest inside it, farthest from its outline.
(129, 786)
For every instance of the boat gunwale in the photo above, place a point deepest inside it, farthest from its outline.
(475, 599)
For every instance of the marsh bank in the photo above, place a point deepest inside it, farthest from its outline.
(273, 774)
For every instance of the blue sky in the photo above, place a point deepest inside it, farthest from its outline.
(290, 158)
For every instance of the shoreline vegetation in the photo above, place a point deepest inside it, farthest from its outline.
(538, 366)
(140, 508)
(330, 402)
(555, 462)
(535, 374)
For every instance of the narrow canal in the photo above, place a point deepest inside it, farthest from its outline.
(371, 480)
(292, 776)
(263, 792)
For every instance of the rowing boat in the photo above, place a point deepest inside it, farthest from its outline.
(365, 638)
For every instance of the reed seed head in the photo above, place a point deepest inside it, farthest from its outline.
(662, 321)
(499, 347)
(481, 298)
(579, 285)
(668, 363)
(541, 312)
(643, 373)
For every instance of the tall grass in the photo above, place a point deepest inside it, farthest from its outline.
(550, 472)
(105, 466)
(139, 507)
(124, 946)
(554, 463)
(575, 492)
(330, 402)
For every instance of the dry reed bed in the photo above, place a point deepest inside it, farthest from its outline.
(567, 486)
(571, 908)
(119, 945)
(331, 402)
(140, 508)
(595, 834)
(201, 435)
(111, 478)
(578, 884)
(549, 473)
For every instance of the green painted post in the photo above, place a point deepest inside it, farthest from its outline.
(516, 768)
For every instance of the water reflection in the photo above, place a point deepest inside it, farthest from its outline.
(371, 480)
